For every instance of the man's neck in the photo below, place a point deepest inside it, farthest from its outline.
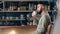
(44, 11)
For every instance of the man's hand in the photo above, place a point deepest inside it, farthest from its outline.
(34, 14)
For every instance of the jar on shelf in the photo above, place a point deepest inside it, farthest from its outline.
(11, 18)
(16, 18)
(18, 8)
(7, 18)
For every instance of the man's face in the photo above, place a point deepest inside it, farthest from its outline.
(39, 7)
(44, 7)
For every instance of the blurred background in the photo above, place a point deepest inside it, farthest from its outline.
(19, 13)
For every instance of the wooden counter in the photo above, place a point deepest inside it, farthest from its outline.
(18, 26)
(17, 29)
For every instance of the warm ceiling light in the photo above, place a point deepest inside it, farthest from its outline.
(12, 32)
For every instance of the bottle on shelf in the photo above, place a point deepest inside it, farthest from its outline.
(28, 23)
(21, 16)
(6, 23)
(1, 23)
(3, 17)
(31, 23)
(29, 20)
(21, 19)
(0, 18)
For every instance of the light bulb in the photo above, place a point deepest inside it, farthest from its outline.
(12, 32)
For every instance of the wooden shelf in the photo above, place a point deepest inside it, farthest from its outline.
(27, 0)
(12, 20)
(18, 11)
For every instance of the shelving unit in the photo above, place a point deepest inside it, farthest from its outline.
(30, 7)
(7, 13)
(13, 14)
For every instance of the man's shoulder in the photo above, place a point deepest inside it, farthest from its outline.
(45, 16)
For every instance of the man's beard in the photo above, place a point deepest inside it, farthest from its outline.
(39, 12)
